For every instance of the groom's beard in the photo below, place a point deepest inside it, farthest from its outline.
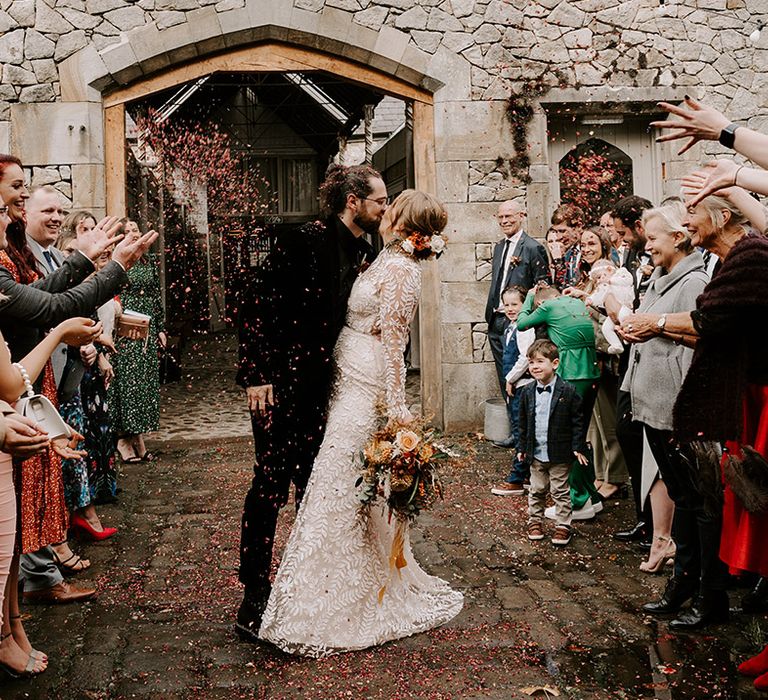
(367, 223)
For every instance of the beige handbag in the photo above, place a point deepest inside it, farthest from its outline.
(40, 409)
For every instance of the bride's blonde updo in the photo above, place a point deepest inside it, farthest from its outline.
(421, 219)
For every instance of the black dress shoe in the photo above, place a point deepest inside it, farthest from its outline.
(634, 534)
(250, 613)
(710, 608)
(678, 590)
(756, 601)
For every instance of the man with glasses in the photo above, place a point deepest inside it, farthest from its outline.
(287, 334)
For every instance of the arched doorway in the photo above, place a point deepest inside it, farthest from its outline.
(278, 58)
(594, 175)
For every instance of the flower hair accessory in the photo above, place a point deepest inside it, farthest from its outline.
(424, 247)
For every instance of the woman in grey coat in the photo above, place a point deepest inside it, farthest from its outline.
(657, 367)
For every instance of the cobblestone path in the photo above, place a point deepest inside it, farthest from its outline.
(161, 626)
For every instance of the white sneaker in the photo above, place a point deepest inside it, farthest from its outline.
(585, 513)
(597, 506)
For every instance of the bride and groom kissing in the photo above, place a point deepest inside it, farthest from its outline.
(322, 344)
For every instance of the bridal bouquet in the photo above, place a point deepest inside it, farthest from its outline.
(400, 466)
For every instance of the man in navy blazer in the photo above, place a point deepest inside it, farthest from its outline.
(517, 260)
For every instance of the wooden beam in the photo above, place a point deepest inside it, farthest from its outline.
(115, 159)
(429, 307)
(266, 58)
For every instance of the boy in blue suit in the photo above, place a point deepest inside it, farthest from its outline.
(515, 370)
(551, 435)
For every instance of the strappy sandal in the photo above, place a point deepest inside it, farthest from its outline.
(37, 654)
(148, 457)
(29, 669)
(66, 567)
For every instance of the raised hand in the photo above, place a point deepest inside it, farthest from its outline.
(100, 238)
(130, 249)
(716, 176)
(697, 123)
(79, 331)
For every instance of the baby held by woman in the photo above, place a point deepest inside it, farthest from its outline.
(608, 279)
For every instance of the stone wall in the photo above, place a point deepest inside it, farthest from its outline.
(583, 55)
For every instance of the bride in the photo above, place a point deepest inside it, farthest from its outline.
(325, 598)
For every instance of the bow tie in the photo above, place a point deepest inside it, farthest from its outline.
(543, 389)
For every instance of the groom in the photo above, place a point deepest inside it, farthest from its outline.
(287, 334)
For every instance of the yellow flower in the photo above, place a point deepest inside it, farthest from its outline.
(407, 440)
(401, 481)
(426, 452)
(378, 451)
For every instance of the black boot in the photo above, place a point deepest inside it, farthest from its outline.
(250, 613)
(708, 608)
(756, 601)
(636, 533)
(679, 589)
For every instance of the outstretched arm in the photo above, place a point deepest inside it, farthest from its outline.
(399, 297)
(698, 122)
(75, 331)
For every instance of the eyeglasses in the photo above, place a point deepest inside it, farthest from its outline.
(381, 201)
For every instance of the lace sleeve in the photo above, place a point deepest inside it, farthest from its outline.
(399, 296)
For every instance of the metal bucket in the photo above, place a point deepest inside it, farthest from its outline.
(496, 420)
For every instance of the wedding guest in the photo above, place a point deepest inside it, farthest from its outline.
(656, 372)
(78, 490)
(610, 468)
(627, 219)
(568, 220)
(136, 388)
(722, 399)
(568, 325)
(17, 657)
(516, 375)
(554, 248)
(518, 260)
(551, 435)
(618, 246)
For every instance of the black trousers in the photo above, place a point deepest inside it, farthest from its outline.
(629, 433)
(286, 443)
(696, 533)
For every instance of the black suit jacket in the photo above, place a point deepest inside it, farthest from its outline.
(292, 316)
(30, 310)
(566, 422)
(532, 268)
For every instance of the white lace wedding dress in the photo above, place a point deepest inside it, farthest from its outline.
(325, 598)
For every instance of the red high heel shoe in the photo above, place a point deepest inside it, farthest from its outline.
(79, 525)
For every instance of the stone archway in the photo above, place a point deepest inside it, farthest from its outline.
(262, 36)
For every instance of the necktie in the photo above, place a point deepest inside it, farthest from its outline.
(49, 259)
(544, 389)
(502, 272)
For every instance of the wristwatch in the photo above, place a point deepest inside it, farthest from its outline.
(728, 135)
(661, 323)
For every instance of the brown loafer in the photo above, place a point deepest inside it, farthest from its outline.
(60, 593)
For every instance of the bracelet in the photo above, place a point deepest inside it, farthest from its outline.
(27, 383)
(736, 175)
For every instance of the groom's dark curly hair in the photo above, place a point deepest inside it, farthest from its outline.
(341, 181)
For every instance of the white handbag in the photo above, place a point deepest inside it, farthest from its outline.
(39, 408)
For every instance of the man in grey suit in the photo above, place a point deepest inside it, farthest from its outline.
(517, 260)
